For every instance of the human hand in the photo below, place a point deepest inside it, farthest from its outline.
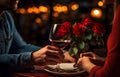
(38, 57)
(94, 58)
(68, 57)
(85, 63)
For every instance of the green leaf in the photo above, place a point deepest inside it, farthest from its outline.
(81, 45)
(88, 36)
(75, 50)
(70, 51)
(73, 42)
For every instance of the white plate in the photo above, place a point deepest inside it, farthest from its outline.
(65, 67)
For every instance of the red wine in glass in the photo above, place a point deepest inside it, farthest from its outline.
(60, 42)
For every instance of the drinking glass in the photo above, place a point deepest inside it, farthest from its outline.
(60, 35)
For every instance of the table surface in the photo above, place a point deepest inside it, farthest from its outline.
(42, 73)
(45, 74)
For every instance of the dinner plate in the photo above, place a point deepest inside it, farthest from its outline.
(66, 71)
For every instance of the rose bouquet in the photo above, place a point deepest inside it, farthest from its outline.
(85, 36)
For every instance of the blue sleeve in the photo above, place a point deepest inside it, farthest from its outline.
(20, 51)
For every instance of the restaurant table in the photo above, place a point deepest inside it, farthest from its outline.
(42, 73)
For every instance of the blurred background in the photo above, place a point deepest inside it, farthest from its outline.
(34, 18)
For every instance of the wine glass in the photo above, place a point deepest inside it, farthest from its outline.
(60, 35)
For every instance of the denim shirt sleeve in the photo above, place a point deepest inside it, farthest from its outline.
(20, 52)
(22, 49)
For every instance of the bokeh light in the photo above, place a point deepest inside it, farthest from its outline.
(30, 10)
(100, 3)
(22, 11)
(43, 9)
(96, 13)
(74, 7)
(55, 14)
(38, 20)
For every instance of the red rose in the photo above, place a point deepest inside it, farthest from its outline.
(64, 29)
(87, 22)
(98, 28)
(78, 29)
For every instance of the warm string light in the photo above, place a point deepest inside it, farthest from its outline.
(35, 10)
(38, 20)
(43, 9)
(96, 13)
(29, 10)
(57, 8)
(60, 8)
(74, 6)
(55, 14)
(100, 3)
(22, 11)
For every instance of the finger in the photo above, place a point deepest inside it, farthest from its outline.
(79, 61)
(84, 54)
(52, 47)
(81, 55)
(91, 58)
(87, 54)
(40, 59)
(43, 56)
(53, 51)
(54, 55)
(55, 60)
(73, 60)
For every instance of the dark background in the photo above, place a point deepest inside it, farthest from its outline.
(37, 32)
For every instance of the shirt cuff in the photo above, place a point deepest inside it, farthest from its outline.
(93, 71)
(25, 58)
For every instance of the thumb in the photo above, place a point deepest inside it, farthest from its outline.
(79, 61)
